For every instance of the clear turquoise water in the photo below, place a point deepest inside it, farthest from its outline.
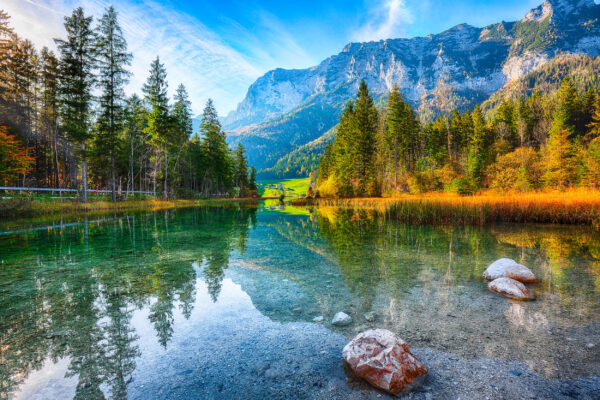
(90, 307)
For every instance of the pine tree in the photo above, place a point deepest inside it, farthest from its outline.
(197, 162)
(113, 59)
(365, 127)
(591, 163)
(594, 125)
(218, 177)
(182, 115)
(342, 153)
(477, 148)
(159, 124)
(568, 110)
(504, 124)
(76, 81)
(135, 120)
(49, 106)
(182, 131)
(252, 182)
(560, 162)
(6, 34)
(588, 107)
(241, 171)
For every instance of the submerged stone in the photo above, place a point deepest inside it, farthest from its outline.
(341, 319)
(511, 288)
(370, 316)
(318, 319)
(384, 360)
(508, 268)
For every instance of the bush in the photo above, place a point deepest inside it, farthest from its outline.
(520, 170)
(463, 186)
(328, 188)
(424, 182)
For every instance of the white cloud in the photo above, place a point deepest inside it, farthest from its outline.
(192, 54)
(386, 20)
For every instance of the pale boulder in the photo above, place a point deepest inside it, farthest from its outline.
(511, 288)
(507, 268)
(341, 319)
(384, 360)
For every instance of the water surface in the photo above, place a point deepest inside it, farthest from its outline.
(187, 303)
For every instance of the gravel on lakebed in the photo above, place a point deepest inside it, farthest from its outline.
(304, 361)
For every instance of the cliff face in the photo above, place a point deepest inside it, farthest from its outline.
(457, 68)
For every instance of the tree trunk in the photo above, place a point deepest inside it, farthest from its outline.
(166, 173)
(56, 165)
(112, 178)
(84, 173)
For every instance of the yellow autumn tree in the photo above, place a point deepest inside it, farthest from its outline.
(560, 160)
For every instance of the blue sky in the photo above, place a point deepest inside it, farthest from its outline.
(217, 48)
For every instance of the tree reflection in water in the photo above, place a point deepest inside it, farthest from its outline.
(71, 292)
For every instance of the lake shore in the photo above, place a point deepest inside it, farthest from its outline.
(18, 207)
(571, 207)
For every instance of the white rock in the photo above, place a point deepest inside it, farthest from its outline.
(341, 319)
(318, 319)
(511, 288)
(370, 316)
(508, 268)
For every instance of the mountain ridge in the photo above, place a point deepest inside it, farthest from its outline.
(457, 68)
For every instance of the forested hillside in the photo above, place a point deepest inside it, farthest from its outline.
(65, 121)
(541, 141)
(302, 161)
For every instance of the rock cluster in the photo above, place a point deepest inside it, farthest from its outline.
(384, 360)
(508, 277)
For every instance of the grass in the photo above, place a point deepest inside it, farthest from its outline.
(28, 205)
(574, 207)
(294, 187)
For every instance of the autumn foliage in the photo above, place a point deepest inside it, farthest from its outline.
(14, 159)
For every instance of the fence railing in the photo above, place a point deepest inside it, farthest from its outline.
(28, 189)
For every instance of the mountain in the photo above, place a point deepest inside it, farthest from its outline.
(583, 70)
(286, 109)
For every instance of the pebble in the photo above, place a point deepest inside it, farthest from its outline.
(320, 318)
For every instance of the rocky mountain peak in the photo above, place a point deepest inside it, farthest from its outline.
(558, 9)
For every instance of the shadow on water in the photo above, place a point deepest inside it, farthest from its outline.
(72, 290)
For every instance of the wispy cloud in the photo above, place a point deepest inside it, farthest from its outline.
(192, 54)
(386, 19)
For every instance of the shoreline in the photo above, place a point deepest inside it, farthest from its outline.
(571, 207)
(38, 208)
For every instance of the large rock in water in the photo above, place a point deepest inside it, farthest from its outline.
(507, 268)
(385, 361)
(511, 288)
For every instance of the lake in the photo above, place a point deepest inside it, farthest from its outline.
(221, 303)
